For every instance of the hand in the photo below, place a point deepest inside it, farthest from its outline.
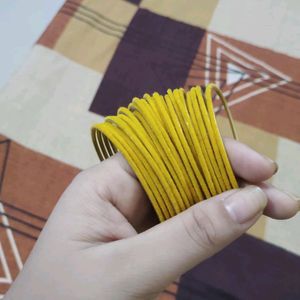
(94, 245)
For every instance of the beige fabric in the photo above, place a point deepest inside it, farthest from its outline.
(49, 111)
(270, 24)
(182, 10)
(88, 45)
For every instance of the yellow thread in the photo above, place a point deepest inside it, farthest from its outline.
(185, 179)
(211, 134)
(144, 108)
(140, 168)
(202, 139)
(185, 151)
(210, 108)
(174, 146)
(154, 166)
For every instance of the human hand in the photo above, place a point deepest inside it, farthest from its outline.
(97, 243)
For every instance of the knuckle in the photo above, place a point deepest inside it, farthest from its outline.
(80, 178)
(200, 228)
(82, 181)
(91, 181)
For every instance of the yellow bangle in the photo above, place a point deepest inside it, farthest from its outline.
(174, 146)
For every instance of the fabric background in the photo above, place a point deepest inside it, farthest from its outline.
(94, 56)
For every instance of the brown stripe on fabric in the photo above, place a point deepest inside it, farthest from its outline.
(97, 26)
(33, 181)
(58, 24)
(170, 292)
(250, 76)
(166, 296)
(272, 112)
(10, 259)
(196, 74)
(172, 288)
(31, 185)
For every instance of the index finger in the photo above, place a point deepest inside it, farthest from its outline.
(249, 164)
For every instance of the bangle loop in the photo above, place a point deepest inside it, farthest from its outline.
(174, 146)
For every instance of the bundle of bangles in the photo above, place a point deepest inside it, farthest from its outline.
(173, 144)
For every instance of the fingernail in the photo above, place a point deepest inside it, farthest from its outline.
(274, 163)
(275, 167)
(246, 204)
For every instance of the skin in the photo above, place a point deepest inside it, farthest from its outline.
(103, 240)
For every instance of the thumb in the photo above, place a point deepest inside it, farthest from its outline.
(171, 248)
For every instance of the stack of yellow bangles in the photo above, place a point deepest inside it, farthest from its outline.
(174, 146)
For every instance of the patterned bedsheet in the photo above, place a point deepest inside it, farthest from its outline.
(96, 55)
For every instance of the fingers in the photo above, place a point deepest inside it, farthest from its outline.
(249, 164)
(246, 162)
(124, 191)
(173, 247)
(115, 181)
(281, 204)
(129, 196)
